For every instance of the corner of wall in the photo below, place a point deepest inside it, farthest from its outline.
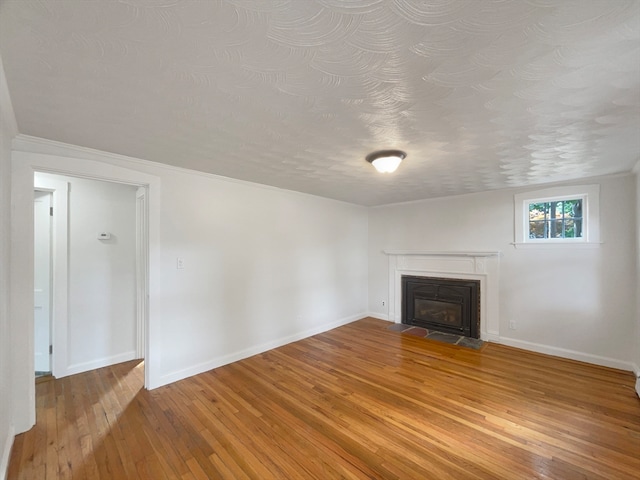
(8, 130)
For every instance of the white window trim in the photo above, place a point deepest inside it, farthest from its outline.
(590, 195)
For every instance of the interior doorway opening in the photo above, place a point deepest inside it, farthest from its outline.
(98, 272)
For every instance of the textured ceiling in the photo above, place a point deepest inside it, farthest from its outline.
(481, 94)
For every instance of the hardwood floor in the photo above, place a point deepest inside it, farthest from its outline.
(356, 402)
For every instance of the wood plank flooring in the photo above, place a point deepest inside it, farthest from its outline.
(358, 402)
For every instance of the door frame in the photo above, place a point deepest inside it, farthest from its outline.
(59, 269)
(142, 269)
(85, 163)
(45, 198)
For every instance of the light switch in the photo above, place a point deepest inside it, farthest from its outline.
(179, 263)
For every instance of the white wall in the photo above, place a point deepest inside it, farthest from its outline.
(8, 130)
(262, 266)
(573, 302)
(101, 319)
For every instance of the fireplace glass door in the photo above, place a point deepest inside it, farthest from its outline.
(442, 304)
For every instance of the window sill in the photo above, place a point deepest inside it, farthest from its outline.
(557, 245)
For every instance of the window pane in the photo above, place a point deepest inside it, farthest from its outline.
(555, 228)
(536, 229)
(573, 212)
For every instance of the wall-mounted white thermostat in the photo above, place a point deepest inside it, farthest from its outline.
(104, 236)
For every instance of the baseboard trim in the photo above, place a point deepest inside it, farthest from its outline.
(249, 352)
(6, 453)
(490, 337)
(379, 316)
(636, 372)
(565, 353)
(99, 363)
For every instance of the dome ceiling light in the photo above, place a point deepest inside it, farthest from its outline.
(386, 161)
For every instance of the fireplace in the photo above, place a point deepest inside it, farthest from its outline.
(443, 304)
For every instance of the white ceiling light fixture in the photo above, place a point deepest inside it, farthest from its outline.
(386, 161)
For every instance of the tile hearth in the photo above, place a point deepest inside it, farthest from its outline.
(459, 340)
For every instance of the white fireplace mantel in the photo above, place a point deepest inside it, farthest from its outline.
(467, 265)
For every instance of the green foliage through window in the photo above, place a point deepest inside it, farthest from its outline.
(559, 219)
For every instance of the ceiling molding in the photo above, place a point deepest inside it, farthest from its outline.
(43, 146)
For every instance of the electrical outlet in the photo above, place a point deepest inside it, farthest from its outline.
(179, 263)
(512, 324)
(383, 304)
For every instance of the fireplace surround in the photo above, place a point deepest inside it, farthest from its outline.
(468, 265)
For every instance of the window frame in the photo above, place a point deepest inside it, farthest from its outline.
(590, 196)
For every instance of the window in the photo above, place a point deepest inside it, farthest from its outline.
(557, 219)
(557, 216)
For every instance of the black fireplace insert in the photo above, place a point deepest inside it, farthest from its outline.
(443, 304)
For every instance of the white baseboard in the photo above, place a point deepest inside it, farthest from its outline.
(490, 337)
(379, 316)
(636, 372)
(565, 353)
(249, 352)
(99, 363)
(6, 453)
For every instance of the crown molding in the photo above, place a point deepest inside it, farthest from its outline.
(30, 144)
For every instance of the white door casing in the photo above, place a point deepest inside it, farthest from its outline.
(42, 203)
(108, 167)
(59, 193)
(142, 270)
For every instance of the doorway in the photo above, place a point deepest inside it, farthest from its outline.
(98, 295)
